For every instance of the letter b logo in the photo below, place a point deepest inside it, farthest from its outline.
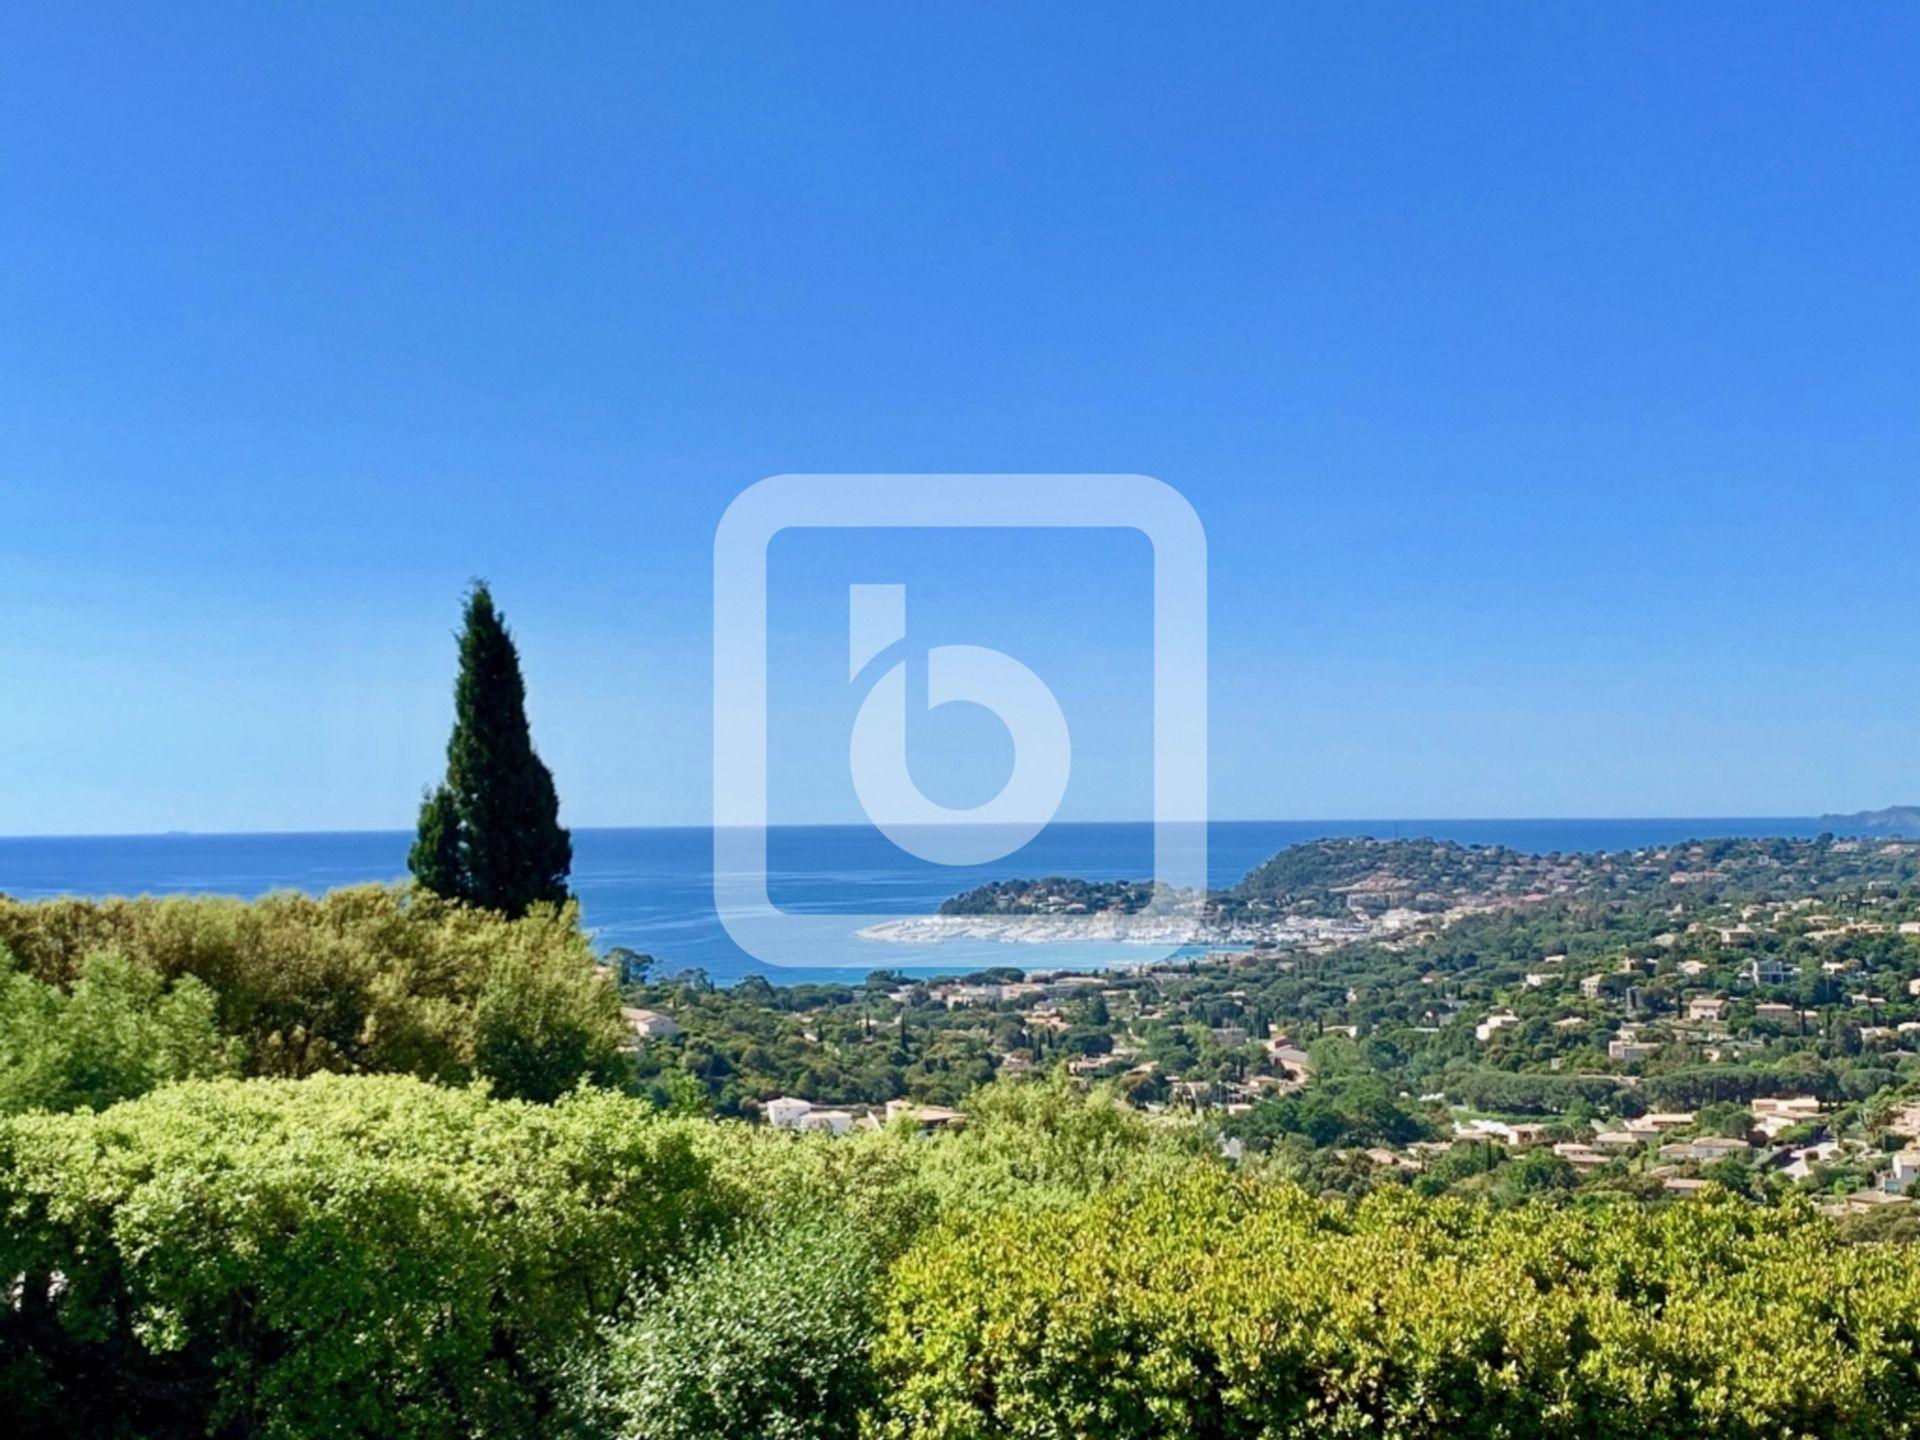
(1042, 750)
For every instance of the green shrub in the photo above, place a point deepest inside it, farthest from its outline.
(118, 1033)
(336, 1256)
(1220, 1308)
(366, 979)
(766, 1338)
(1047, 1142)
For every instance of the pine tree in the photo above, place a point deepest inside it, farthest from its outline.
(491, 834)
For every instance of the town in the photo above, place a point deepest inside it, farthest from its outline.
(1743, 1013)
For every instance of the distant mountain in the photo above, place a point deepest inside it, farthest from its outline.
(1894, 820)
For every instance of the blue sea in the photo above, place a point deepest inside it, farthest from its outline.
(651, 889)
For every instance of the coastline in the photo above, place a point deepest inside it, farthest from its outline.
(651, 889)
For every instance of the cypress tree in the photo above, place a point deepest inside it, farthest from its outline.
(435, 857)
(491, 834)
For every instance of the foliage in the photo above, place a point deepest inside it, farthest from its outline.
(1054, 895)
(874, 1181)
(121, 1031)
(542, 1028)
(490, 835)
(1337, 1110)
(435, 859)
(1530, 1093)
(767, 1338)
(376, 1256)
(1219, 1307)
(363, 979)
(337, 1256)
(1047, 1143)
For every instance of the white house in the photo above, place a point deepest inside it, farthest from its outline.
(834, 1122)
(1494, 1024)
(1660, 1120)
(786, 1113)
(1904, 1171)
(1774, 1116)
(649, 1024)
(1801, 1167)
(1764, 971)
(1794, 1107)
(1705, 1149)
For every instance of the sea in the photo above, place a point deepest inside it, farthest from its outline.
(651, 889)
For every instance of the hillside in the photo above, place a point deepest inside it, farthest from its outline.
(1339, 879)
(1893, 820)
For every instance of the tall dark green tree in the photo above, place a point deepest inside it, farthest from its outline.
(435, 858)
(490, 834)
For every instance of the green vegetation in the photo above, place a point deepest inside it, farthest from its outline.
(1218, 1307)
(388, 1164)
(335, 1256)
(119, 1032)
(700, 1360)
(1055, 895)
(1558, 994)
(490, 833)
(378, 1256)
(368, 979)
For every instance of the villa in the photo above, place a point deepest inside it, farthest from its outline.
(649, 1024)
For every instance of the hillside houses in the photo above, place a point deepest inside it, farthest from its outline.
(787, 1113)
(1571, 1038)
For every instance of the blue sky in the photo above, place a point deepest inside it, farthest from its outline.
(1547, 379)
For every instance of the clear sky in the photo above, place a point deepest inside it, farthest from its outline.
(1547, 378)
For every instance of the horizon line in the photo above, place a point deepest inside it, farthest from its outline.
(184, 834)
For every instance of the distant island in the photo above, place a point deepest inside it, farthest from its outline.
(1895, 819)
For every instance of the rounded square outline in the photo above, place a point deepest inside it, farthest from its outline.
(1089, 502)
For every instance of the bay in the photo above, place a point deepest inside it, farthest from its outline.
(651, 888)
